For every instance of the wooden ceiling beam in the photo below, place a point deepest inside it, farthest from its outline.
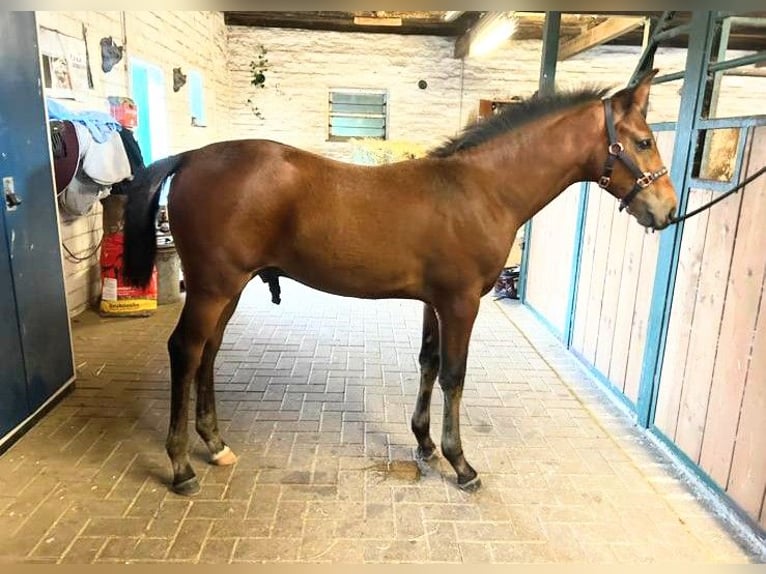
(344, 22)
(376, 21)
(602, 33)
(744, 36)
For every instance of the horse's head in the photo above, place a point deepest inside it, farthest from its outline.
(633, 170)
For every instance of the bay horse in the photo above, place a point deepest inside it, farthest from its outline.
(436, 229)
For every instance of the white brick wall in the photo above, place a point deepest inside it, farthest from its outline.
(191, 40)
(305, 65)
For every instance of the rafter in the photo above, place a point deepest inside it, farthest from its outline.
(606, 31)
(747, 33)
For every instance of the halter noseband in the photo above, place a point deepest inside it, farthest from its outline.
(617, 151)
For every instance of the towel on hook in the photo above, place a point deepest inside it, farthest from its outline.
(105, 163)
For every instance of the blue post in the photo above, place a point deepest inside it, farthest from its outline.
(670, 241)
(582, 207)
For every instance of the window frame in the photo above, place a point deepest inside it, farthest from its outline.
(357, 91)
(197, 99)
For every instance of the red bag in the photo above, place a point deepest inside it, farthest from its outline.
(117, 298)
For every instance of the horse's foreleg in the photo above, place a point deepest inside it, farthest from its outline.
(207, 419)
(456, 321)
(429, 368)
(197, 324)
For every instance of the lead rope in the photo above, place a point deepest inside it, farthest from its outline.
(734, 189)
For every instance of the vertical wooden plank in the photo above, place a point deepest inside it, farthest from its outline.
(561, 264)
(629, 294)
(703, 341)
(550, 258)
(586, 268)
(601, 254)
(738, 325)
(642, 307)
(681, 315)
(626, 304)
(639, 326)
(748, 469)
(612, 280)
(539, 264)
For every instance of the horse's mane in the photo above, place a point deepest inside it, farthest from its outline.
(514, 116)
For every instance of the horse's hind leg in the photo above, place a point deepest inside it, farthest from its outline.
(207, 419)
(456, 320)
(429, 368)
(196, 325)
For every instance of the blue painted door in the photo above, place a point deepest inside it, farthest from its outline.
(30, 231)
(14, 404)
(139, 91)
(147, 88)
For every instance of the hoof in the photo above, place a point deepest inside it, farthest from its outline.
(224, 458)
(425, 454)
(188, 487)
(470, 486)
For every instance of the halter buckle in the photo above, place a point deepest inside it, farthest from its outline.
(645, 180)
(616, 148)
(604, 181)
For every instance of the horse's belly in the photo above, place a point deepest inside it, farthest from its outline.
(369, 278)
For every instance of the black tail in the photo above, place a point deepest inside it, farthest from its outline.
(140, 246)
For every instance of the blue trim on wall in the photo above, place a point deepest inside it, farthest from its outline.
(674, 451)
(663, 126)
(738, 121)
(688, 126)
(544, 320)
(739, 154)
(601, 378)
(525, 261)
(574, 283)
(683, 459)
(670, 239)
(743, 135)
(591, 369)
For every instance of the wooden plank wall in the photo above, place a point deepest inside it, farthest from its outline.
(615, 288)
(550, 257)
(712, 393)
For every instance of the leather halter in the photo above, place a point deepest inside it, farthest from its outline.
(617, 151)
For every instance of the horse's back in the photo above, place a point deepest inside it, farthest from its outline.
(268, 182)
(344, 228)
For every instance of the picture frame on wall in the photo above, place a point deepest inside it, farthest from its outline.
(64, 64)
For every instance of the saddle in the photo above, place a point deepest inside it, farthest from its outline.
(66, 152)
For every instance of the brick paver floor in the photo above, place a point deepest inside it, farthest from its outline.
(315, 397)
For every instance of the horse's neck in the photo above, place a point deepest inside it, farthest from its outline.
(538, 161)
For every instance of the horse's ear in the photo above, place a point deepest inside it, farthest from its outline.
(638, 94)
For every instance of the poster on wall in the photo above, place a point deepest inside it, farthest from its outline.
(65, 66)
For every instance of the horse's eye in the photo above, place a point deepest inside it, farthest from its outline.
(644, 144)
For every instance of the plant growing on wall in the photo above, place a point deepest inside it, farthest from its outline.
(258, 70)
